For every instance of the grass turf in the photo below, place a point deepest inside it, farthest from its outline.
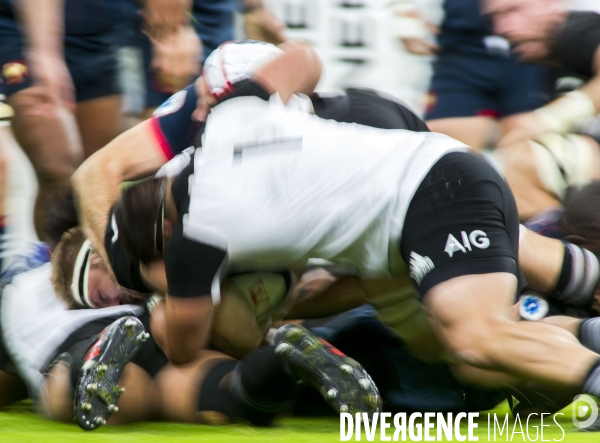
(19, 424)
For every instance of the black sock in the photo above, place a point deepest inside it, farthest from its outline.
(591, 385)
(261, 380)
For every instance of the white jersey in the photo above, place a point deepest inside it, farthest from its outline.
(273, 186)
(35, 322)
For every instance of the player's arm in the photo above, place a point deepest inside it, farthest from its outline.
(568, 271)
(563, 114)
(296, 71)
(191, 268)
(408, 25)
(261, 24)
(138, 152)
(96, 182)
(163, 17)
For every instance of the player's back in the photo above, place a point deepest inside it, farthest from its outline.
(277, 186)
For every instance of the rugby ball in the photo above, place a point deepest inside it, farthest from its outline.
(243, 317)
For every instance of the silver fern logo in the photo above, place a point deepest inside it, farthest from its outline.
(419, 266)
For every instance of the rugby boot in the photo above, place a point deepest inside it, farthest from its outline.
(342, 381)
(98, 391)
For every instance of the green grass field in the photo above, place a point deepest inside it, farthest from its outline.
(18, 424)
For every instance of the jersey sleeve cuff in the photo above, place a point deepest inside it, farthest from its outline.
(159, 136)
(468, 267)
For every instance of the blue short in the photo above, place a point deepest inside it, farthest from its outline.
(467, 85)
(91, 60)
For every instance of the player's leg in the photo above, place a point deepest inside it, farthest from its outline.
(466, 266)
(46, 131)
(265, 382)
(98, 121)
(50, 141)
(94, 365)
(93, 64)
(12, 388)
(139, 402)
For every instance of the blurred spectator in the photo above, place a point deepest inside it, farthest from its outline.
(179, 35)
(59, 73)
(541, 31)
(477, 87)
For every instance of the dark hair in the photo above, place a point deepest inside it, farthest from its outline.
(136, 216)
(60, 215)
(582, 211)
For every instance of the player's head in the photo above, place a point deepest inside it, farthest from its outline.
(81, 278)
(581, 219)
(529, 25)
(140, 218)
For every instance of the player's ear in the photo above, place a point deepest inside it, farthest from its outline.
(577, 240)
(96, 259)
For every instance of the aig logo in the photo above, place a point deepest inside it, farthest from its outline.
(477, 238)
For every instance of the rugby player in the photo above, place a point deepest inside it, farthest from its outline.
(148, 146)
(541, 32)
(63, 351)
(286, 186)
(174, 128)
(548, 151)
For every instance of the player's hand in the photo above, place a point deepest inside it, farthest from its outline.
(204, 102)
(420, 45)
(261, 24)
(529, 126)
(164, 17)
(50, 71)
(176, 58)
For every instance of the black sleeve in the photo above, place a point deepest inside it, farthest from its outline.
(246, 88)
(462, 220)
(127, 271)
(370, 108)
(190, 266)
(578, 42)
(173, 125)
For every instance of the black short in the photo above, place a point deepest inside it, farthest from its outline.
(462, 220)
